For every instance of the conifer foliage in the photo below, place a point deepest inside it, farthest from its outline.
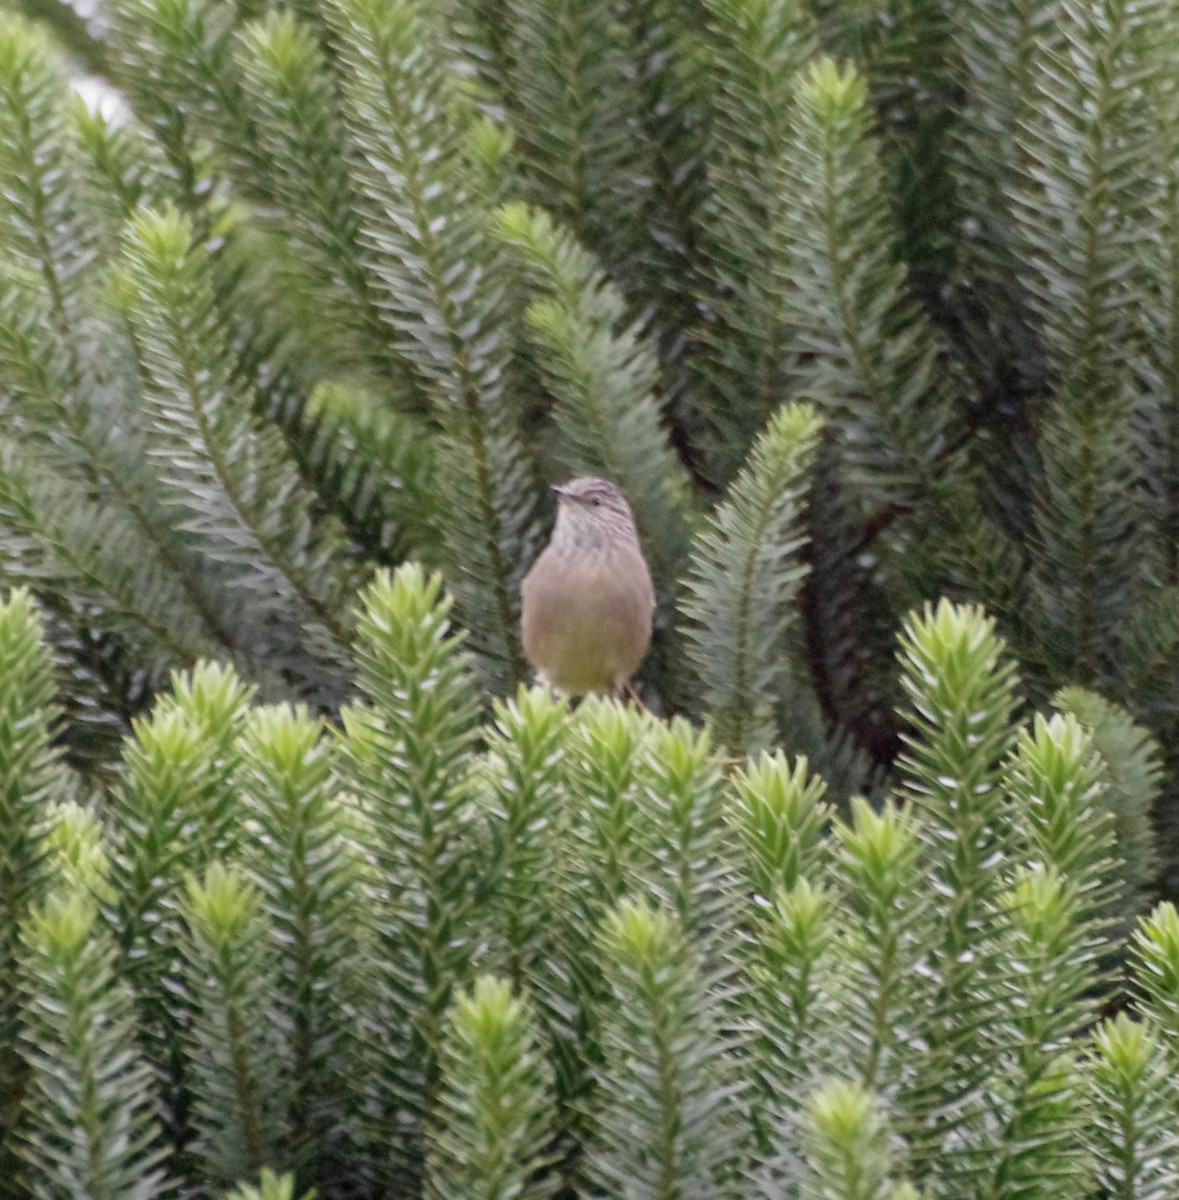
(399, 970)
(346, 283)
(873, 311)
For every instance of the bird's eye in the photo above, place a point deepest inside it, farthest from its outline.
(595, 504)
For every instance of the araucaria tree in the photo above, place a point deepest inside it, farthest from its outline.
(566, 952)
(872, 309)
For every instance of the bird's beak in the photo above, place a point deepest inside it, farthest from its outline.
(560, 492)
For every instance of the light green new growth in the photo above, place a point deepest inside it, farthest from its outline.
(491, 1135)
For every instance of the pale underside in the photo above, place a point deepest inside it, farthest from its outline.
(587, 619)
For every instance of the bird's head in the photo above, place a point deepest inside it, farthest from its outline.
(591, 512)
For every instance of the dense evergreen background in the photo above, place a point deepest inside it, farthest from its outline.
(864, 304)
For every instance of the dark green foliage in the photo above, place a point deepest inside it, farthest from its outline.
(603, 376)
(74, 494)
(569, 88)
(43, 230)
(1159, 90)
(874, 364)
(1090, 317)
(241, 500)
(291, 95)
(748, 349)
(382, 466)
(745, 573)
(441, 300)
(999, 45)
(1132, 775)
(884, 392)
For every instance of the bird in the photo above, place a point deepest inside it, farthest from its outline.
(588, 600)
